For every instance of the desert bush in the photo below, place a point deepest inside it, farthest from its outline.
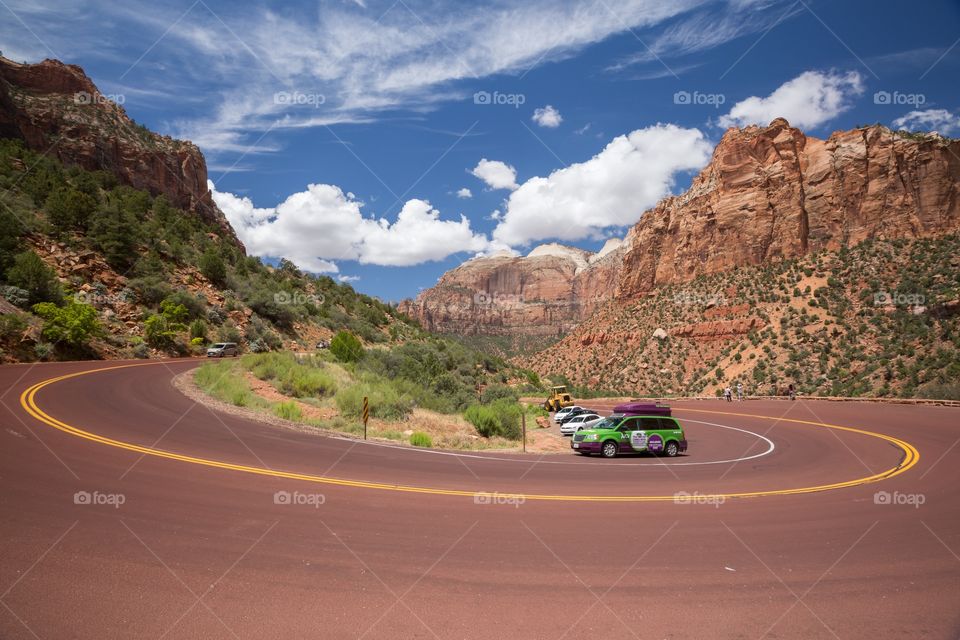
(30, 273)
(15, 295)
(221, 380)
(288, 410)
(73, 324)
(195, 305)
(158, 332)
(291, 377)
(213, 268)
(12, 325)
(385, 401)
(421, 439)
(198, 330)
(499, 418)
(346, 347)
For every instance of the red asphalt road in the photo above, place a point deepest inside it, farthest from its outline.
(201, 552)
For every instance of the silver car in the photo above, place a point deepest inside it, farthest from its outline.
(222, 349)
(576, 423)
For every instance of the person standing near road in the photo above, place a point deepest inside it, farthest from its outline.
(792, 391)
(728, 394)
(739, 392)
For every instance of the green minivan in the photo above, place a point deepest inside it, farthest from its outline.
(622, 433)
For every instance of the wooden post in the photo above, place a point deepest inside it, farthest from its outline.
(366, 416)
(523, 421)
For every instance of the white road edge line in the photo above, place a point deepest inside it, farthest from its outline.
(770, 448)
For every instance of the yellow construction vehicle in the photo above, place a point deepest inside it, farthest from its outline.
(557, 399)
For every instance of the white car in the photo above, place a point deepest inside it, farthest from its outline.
(559, 414)
(583, 421)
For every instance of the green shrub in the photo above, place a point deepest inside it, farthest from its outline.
(157, 332)
(150, 290)
(30, 273)
(499, 418)
(421, 439)
(213, 268)
(288, 410)
(69, 208)
(346, 347)
(176, 314)
(195, 305)
(198, 331)
(15, 295)
(291, 377)
(222, 381)
(43, 350)
(11, 238)
(229, 333)
(498, 391)
(74, 323)
(12, 325)
(385, 402)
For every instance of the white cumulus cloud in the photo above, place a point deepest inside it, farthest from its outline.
(464, 193)
(497, 174)
(548, 117)
(317, 227)
(612, 189)
(807, 101)
(939, 120)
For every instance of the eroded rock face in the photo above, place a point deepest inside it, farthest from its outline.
(771, 193)
(547, 292)
(55, 108)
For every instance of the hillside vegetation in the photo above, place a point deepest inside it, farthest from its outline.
(430, 386)
(91, 268)
(878, 319)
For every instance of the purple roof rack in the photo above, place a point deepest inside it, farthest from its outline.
(642, 409)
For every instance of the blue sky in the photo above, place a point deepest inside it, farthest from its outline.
(341, 133)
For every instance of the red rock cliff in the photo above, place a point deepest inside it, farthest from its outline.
(55, 108)
(547, 292)
(771, 193)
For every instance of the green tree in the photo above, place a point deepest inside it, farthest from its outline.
(40, 182)
(11, 235)
(74, 323)
(31, 274)
(114, 231)
(69, 209)
(176, 314)
(346, 347)
(157, 332)
(213, 267)
(198, 329)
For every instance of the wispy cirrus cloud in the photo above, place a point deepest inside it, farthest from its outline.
(707, 28)
(349, 62)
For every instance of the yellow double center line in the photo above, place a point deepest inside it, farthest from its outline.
(28, 401)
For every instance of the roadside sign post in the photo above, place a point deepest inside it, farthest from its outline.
(523, 421)
(366, 416)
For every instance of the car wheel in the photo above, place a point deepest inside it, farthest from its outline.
(671, 449)
(609, 449)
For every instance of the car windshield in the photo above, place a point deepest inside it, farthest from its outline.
(607, 423)
(219, 345)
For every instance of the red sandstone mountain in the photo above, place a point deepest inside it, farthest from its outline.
(547, 292)
(56, 109)
(769, 193)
